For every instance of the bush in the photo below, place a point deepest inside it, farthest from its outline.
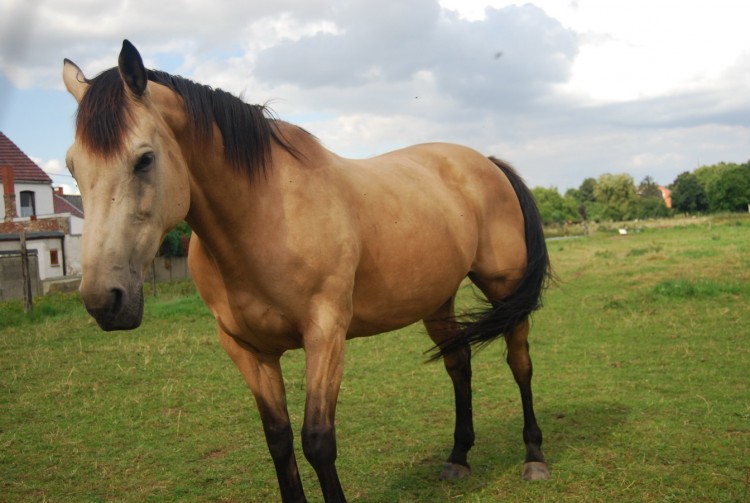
(175, 243)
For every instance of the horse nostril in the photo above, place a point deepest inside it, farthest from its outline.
(118, 295)
(114, 307)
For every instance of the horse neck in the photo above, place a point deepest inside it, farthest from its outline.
(213, 187)
(221, 199)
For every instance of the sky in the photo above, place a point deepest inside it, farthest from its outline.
(564, 90)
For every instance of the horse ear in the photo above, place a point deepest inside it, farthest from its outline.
(131, 69)
(75, 81)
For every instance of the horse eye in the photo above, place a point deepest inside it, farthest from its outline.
(144, 162)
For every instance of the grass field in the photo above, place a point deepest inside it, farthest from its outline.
(642, 387)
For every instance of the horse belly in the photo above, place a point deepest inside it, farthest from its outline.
(407, 270)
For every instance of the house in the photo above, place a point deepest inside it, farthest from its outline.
(33, 187)
(666, 194)
(52, 222)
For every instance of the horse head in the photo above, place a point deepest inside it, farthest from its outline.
(133, 180)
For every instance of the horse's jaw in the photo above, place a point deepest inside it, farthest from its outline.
(115, 305)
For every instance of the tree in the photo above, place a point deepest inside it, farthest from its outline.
(585, 193)
(617, 194)
(650, 201)
(730, 191)
(649, 188)
(554, 208)
(726, 186)
(175, 243)
(585, 200)
(688, 195)
(650, 207)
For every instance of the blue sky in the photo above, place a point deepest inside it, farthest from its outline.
(562, 89)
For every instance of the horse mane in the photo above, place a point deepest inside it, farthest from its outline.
(248, 131)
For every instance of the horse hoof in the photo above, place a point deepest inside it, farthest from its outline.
(453, 471)
(535, 470)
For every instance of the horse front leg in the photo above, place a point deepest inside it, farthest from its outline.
(535, 466)
(263, 376)
(324, 342)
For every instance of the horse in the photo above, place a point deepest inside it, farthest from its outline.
(296, 247)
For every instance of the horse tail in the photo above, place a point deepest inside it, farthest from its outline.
(501, 317)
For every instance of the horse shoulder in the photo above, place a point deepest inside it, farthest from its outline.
(242, 313)
(207, 277)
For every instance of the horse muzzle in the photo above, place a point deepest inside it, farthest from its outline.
(114, 307)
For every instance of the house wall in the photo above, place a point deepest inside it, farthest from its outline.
(73, 255)
(42, 198)
(75, 226)
(42, 249)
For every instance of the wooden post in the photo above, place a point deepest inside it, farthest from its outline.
(28, 304)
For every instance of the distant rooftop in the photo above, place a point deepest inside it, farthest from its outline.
(67, 204)
(24, 169)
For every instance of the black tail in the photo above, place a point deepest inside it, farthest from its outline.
(502, 317)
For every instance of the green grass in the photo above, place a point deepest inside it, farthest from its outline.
(641, 382)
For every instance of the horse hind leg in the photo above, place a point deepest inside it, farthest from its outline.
(535, 466)
(441, 328)
(519, 361)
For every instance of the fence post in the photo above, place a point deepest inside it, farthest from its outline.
(28, 304)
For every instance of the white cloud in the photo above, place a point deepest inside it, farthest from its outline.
(52, 166)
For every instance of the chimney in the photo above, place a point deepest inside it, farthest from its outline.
(59, 191)
(9, 193)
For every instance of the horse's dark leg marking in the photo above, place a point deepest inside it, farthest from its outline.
(280, 442)
(262, 374)
(535, 467)
(458, 365)
(319, 446)
(324, 357)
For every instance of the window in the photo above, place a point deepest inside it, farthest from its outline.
(28, 205)
(54, 258)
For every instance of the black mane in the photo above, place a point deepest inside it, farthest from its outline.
(248, 131)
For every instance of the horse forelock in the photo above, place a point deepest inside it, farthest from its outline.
(248, 131)
(103, 114)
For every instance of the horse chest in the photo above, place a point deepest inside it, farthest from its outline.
(244, 312)
(256, 322)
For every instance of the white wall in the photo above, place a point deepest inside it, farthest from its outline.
(42, 198)
(42, 247)
(73, 254)
(75, 226)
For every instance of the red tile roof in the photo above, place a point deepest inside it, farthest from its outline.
(63, 205)
(24, 169)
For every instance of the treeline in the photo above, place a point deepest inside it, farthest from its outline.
(723, 187)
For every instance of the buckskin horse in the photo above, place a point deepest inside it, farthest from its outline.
(295, 247)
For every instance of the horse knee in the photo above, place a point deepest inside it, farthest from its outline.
(319, 444)
(280, 440)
